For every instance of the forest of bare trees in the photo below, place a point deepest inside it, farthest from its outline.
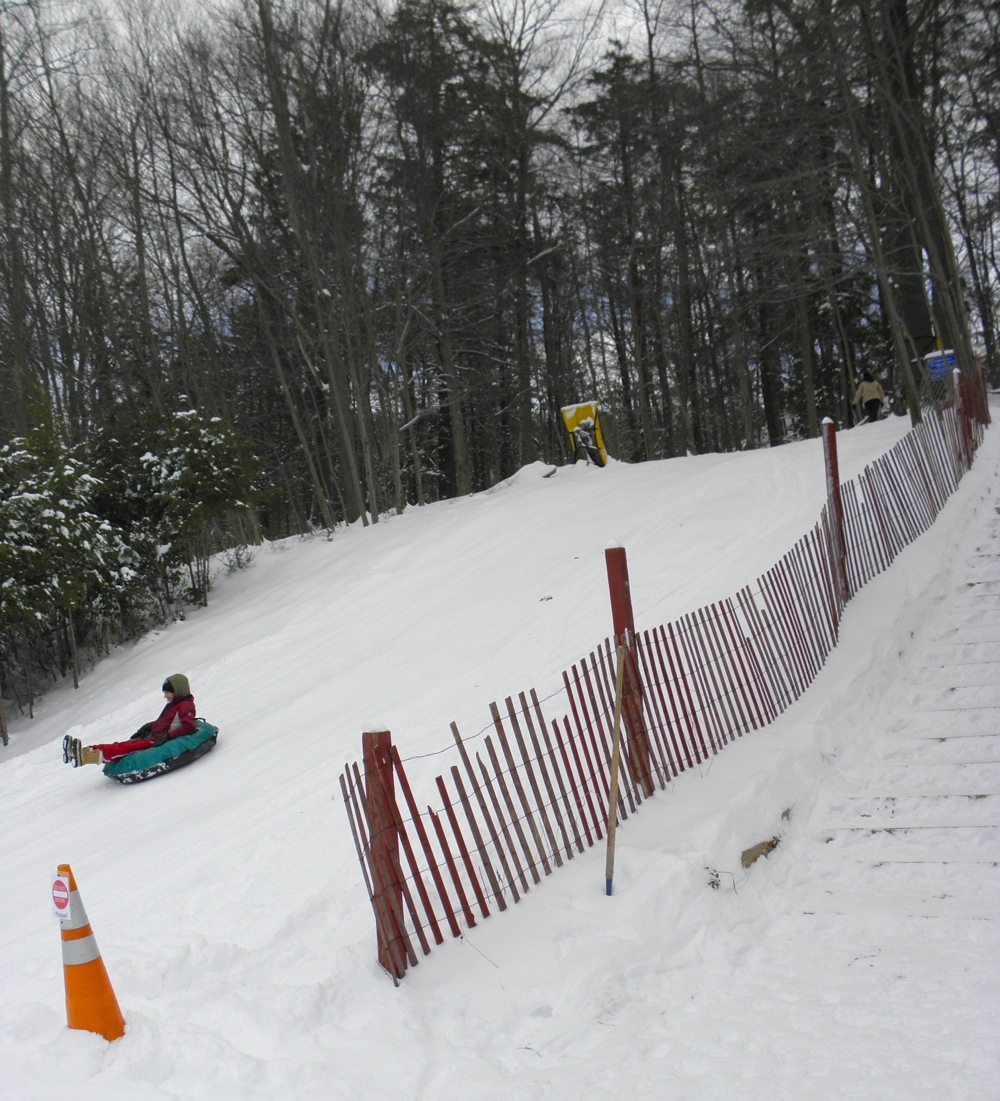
(386, 242)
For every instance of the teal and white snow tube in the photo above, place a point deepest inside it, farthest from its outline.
(144, 764)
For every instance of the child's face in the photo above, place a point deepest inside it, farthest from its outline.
(170, 696)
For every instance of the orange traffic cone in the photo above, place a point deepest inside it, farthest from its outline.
(90, 1000)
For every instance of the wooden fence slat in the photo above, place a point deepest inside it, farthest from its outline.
(863, 552)
(766, 642)
(799, 599)
(934, 435)
(714, 696)
(653, 725)
(504, 841)
(600, 735)
(819, 571)
(902, 503)
(833, 597)
(717, 673)
(682, 740)
(784, 620)
(873, 495)
(737, 647)
(721, 671)
(833, 587)
(582, 780)
(543, 763)
(912, 476)
(478, 838)
(894, 504)
(404, 840)
(494, 832)
(730, 654)
(806, 599)
(449, 862)
(779, 639)
(925, 445)
(660, 728)
(678, 754)
(529, 771)
(952, 445)
(874, 498)
(797, 618)
(756, 651)
(798, 612)
(460, 841)
(352, 812)
(916, 476)
(429, 856)
(708, 670)
(810, 580)
(856, 538)
(693, 660)
(678, 671)
(563, 774)
(593, 774)
(514, 819)
(529, 816)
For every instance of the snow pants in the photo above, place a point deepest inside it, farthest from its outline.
(113, 750)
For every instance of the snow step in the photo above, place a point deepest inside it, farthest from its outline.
(946, 698)
(940, 778)
(875, 843)
(903, 810)
(953, 749)
(912, 887)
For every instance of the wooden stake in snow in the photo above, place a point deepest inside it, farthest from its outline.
(616, 742)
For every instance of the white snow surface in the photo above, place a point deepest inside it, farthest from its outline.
(859, 960)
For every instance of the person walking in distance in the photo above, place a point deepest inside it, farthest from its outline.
(869, 396)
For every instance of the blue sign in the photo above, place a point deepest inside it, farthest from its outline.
(940, 364)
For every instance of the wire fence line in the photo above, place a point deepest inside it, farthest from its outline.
(535, 789)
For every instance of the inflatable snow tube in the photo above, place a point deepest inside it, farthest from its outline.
(144, 764)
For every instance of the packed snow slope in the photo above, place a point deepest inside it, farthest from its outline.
(859, 960)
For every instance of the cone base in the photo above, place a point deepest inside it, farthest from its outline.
(91, 1004)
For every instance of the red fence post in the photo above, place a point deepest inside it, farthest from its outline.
(624, 628)
(380, 795)
(836, 503)
(963, 406)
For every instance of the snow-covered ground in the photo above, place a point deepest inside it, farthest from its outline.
(859, 960)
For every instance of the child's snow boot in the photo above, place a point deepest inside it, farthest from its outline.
(75, 753)
(88, 755)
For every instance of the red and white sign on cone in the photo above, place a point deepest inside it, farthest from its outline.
(60, 896)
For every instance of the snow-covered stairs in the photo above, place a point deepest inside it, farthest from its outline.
(912, 825)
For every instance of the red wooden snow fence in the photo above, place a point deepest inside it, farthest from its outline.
(532, 793)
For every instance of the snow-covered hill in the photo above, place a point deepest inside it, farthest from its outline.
(228, 902)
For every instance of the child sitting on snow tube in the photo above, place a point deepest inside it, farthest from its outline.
(176, 720)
